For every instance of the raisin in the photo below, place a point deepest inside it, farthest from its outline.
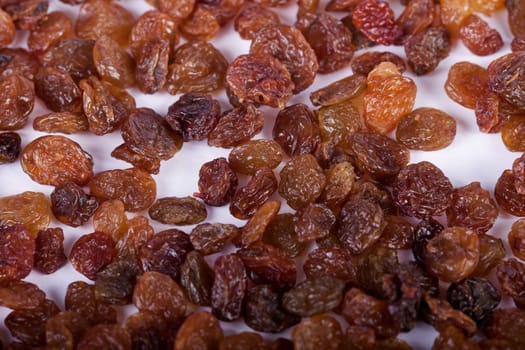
(389, 96)
(426, 129)
(125, 153)
(72, 56)
(253, 155)
(18, 61)
(453, 12)
(17, 97)
(197, 278)
(451, 338)
(162, 296)
(211, 238)
(149, 331)
(281, 234)
(375, 192)
(199, 331)
(331, 41)
(99, 17)
(29, 325)
(71, 205)
(268, 265)
(106, 106)
(105, 336)
(153, 25)
(178, 211)
(49, 250)
(515, 238)
(472, 207)
(20, 295)
(511, 276)
(375, 19)
(196, 67)
(51, 28)
(260, 78)
(134, 187)
(26, 14)
(506, 195)
(254, 229)
(416, 17)
(336, 262)
(222, 10)
(8, 29)
(246, 200)
(236, 126)
(506, 75)
(476, 297)
(340, 178)
(31, 209)
(313, 221)
(452, 254)
(466, 81)
(366, 62)
(165, 252)
(375, 273)
(478, 37)
(176, 9)
(138, 233)
(64, 330)
(243, 340)
(421, 190)
(17, 250)
(217, 182)
(281, 344)
(296, 130)
(289, 46)
(425, 230)
(91, 252)
(339, 91)
(518, 170)
(512, 134)
(202, 25)
(516, 10)
(10, 147)
(341, 5)
(229, 286)
(359, 40)
(426, 49)
(302, 181)
(65, 123)
(263, 311)
(318, 332)
(151, 71)
(110, 218)
(491, 253)
(398, 233)
(193, 116)
(58, 90)
(253, 18)
(114, 283)
(113, 64)
(487, 7)
(518, 43)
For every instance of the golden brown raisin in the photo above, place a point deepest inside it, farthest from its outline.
(478, 37)
(209, 238)
(236, 126)
(246, 200)
(153, 25)
(339, 91)
(178, 211)
(506, 195)
(148, 164)
(17, 99)
(72, 56)
(50, 29)
(466, 81)
(152, 60)
(31, 209)
(254, 229)
(113, 64)
(253, 155)
(65, 123)
(202, 25)
(200, 330)
(7, 28)
(252, 18)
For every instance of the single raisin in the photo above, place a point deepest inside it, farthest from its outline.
(151, 70)
(17, 99)
(113, 64)
(506, 75)
(281, 234)
(313, 221)
(253, 18)
(71, 205)
(200, 330)
(125, 153)
(339, 91)
(17, 250)
(366, 62)
(516, 10)
(114, 283)
(318, 332)
(511, 277)
(31, 209)
(103, 336)
(58, 90)
(478, 37)
(246, 200)
(10, 147)
(465, 82)
(253, 155)
(178, 211)
(236, 126)
(72, 56)
(334, 261)
(20, 295)
(197, 278)
(426, 49)
(65, 123)
(229, 286)
(375, 19)
(211, 238)
(92, 252)
(49, 250)
(254, 229)
(491, 253)
(217, 182)
(506, 195)
(476, 297)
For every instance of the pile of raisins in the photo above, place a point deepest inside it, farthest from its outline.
(307, 214)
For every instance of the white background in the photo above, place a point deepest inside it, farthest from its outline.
(473, 156)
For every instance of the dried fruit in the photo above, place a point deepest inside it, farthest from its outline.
(511, 277)
(8, 29)
(281, 234)
(506, 195)
(476, 297)
(491, 253)
(340, 179)
(253, 155)
(202, 25)
(516, 11)
(17, 250)
(313, 221)
(229, 286)
(154, 25)
(333, 261)
(478, 37)
(416, 17)
(151, 68)
(31, 209)
(426, 49)
(105, 336)
(113, 64)
(339, 91)
(318, 332)
(148, 164)
(71, 205)
(253, 18)
(10, 147)
(243, 340)
(197, 278)
(254, 229)
(236, 126)
(375, 19)
(91, 253)
(217, 182)
(65, 123)
(178, 211)
(18, 61)
(200, 330)
(49, 250)
(466, 81)
(211, 238)
(115, 282)
(246, 200)
(366, 62)
(20, 295)
(71, 56)
(506, 75)
(17, 99)
(110, 218)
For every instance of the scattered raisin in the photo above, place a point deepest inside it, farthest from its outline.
(236, 126)
(65, 123)
(197, 278)
(252, 18)
(506, 75)
(506, 195)
(217, 182)
(10, 147)
(178, 211)
(426, 49)
(478, 37)
(17, 99)
(49, 250)
(17, 250)
(253, 155)
(200, 330)
(318, 332)
(466, 81)
(375, 19)
(366, 62)
(31, 209)
(476, 297)
(281, 234)
(71, 205)
(211, 238)
(92, 252)
(336, 262)
(151, 70)
(246, 200)
(229, 286)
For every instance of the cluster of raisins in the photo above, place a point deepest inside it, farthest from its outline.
(330, 199)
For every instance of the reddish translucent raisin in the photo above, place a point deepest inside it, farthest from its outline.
(8, 29)
(10, 147)
(17, 99)
(511, 276)
(152, 60)
(466, 81)
(339, 91)
(71, 205)
(134, 187)
(254, 229)
(91, 252)
(110, 218)
(17, 250)
(65, 329)
(253, 155)
(491, 253)
(340, 178)
(518, 170)
(20, 295)
(31, 209)
(453, 12)
(49, 250)
(236, 126)
(252, 18)
(165, 252)
(227, 292)
(416, 17)
(125, 153)
(506, 77)
(65, 123)
(246, 200)
(72, 56)
(149, 331)
(375, 19)
(506, 195)
(217, 182)
(48, 30)
(58, 90)
(313, 221)
(199, 331)
(478, 37)
(518, 43)
(113, 64)
(103, 336)
(153, 25)
(318, 332)
(26, 14)
(137, 234)
(516, 238)
(426, 49)
(18, 61)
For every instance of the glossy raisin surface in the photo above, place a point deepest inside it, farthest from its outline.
(49, 250)
(178, 211)
(10, 147)
(91, 252)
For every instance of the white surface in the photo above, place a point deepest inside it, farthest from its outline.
(473, 156)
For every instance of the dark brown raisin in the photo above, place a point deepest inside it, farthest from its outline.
(236, 126)
(49, 250)
(10, 147)
(334, 261)
(58, 90)
(397, 234)
(217, 182)
(197, 278)
(281, 234)
(80, 298)
(366, 62)
(506, 75)
(72, 56)
(151, 71)
(17, 250)
(71, 205)
(114, 283)
(246, 200)
(427, 48)
(211, 238)
(476, 297)
(313, 221)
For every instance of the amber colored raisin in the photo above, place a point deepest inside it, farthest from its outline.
(196, 67)
(229, 287)
(281, 234)
(453, 254)
(18, 61)
(511, 277)
(516, 10)
(72, 56)
(178, 211)
(426, 49)
(91, 252)
(113, 64)
(472, 207)
(8, 29)
(31, 209)
(58, 90)
(335, 261)
(377, 154)
(507, 324)
(296, 130)
(19, 295)
(466, 81)
(17, 99)
(201, 330)
(487, 7)
(110, 218)
(375, 192)
(518, 170)
(138, 233)
(389, 96)
(416, 17)
(266, 264)
(217, 182)
(453, 12)
(202, 25)
(246, 200)
(193, 116)
(209, 238)
(476, 297)
(65, 123)
(331, 41)
(26, 14)
(318, 332)
(506, 195)
(398, 233)
(339, 91)
(103, 336)
(151, 70)
(313, 221)
(222, 10)
(254, 229)
(341, 5)
(506, 76)
(99, 17)
(260, 78)
(478, 37)
(71, 205)
(11, 146)
(65, 329)
(421, 190)
(153, 25)
(516, 238)
(165, 252)
(302, 181)
(289, 46)
(253, 155)
(134, 187)
(512, 134)
(375, 19)
(148, 164)
(426, 129)
(252, 18)
(149, 331)
(491, 253)
(29, 325)
(340, 178)
(49, 250)
(451, 338)
(17, 250)
(263, 311)
(243, 340)
(48, 30)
